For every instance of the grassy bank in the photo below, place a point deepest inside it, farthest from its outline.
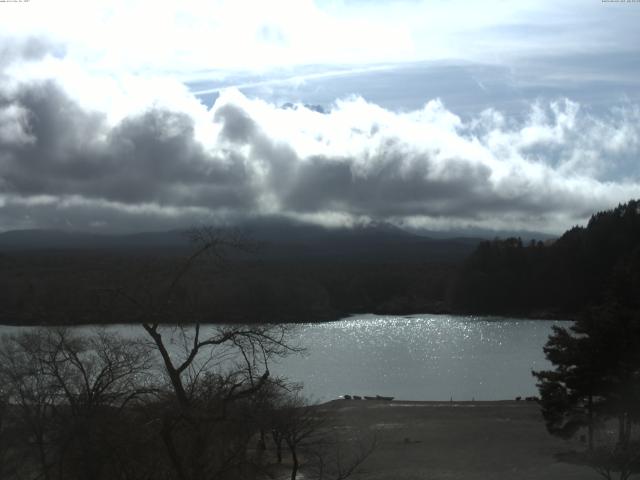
(459, 440)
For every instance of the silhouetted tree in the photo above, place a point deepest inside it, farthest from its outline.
(561, 278)
(596, 377)
(312, 442)
(70, 394)
(570, 393)
(215, 378)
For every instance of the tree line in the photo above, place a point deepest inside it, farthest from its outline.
(554, 279)
(73, 287)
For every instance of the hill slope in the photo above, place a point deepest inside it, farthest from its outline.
(560, 278)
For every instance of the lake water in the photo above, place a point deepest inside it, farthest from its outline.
(422, 357)
(419, 357)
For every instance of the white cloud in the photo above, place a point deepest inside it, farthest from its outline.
(162, 37)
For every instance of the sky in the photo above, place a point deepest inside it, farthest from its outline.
(435, 115)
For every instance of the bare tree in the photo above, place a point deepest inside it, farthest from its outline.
(309, 435)
(34, 395)
(7, 465)
(216, 373)
(297, 424)
(70, 391)
(337, 459)
(607, 460)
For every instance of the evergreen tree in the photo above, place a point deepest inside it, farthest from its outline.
(569, 394)
(596, 375)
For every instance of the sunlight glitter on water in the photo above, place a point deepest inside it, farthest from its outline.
(421, 357)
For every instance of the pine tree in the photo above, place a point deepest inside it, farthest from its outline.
(569, 394)
(596, 375)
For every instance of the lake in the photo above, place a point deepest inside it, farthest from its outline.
(418, 357)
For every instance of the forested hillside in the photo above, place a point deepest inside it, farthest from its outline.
(314, 274)
(287, 273)
(559, 278)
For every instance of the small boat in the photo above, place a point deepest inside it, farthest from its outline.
(386, 399)
(347, 397)
(379, 397)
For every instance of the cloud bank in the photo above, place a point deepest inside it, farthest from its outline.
(124, 152)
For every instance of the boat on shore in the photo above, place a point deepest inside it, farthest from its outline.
(367, 397)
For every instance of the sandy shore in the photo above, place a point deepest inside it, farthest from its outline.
(459, 440)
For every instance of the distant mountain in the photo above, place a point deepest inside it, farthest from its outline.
(314, 108)
(277, 239)
(37, 239)
(371, 242)
(485, 234)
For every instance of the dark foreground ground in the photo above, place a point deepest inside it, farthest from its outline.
(460, 440)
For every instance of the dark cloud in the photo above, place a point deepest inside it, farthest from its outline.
(237, 126)
(152, 157)
(155, 157)
(332, 184)
(64, 165)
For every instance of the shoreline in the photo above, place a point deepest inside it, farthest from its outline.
(475, 316)
(433, 403)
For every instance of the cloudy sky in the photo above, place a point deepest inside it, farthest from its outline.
(431, 114)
